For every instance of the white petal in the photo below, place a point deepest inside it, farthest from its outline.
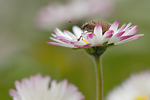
(108, 34)
(130, 31)
(91, 38)
(135, 86)
(59, 32)
(71, 35)
(114, 26)
(37, 88)
(124, 27)
(77, 31)
(61, 44)
(98, 32)
(129, 39)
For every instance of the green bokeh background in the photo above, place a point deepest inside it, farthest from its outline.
(24, 52)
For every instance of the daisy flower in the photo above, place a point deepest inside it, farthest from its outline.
(137, 87)
(98, 38)
(37, 88)
(95, 39)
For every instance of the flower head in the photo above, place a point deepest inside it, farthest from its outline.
(37, 88)
(137, 87)
(98, 38)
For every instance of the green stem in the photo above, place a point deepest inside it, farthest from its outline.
(99, 80)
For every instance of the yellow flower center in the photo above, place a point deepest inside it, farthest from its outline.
(85, 41)
(144, 97)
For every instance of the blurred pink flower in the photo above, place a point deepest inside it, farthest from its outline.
(37, 88)
(73, 10)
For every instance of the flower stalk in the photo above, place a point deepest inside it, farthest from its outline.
(95, 43)
(99, 79)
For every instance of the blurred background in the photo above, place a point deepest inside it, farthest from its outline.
(26, 25)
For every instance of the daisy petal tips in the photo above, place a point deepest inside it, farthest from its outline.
(67, 39)
(37, 88)
(101, 36)
(79, 38)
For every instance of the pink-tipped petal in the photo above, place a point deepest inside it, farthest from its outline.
(18, 85)
(87, 45)
(53, 43)
(137, 36)
(135, 31)
(60, 37)
(56, 40)
(125, 37)
(128, 25)
(69, 34)
(108, 34)
(130, 39)
(59, 32)
(130, 31)
(54, 35)
(132, 27)
(61, 44)
(64, 40)
(90, 36)
(124, 27)
(13, 93)
(119, 34)
(114, 26)
(98, 31)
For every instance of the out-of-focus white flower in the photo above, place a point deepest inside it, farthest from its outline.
(113, 36)
(137, 87)
(37, 88)
(73, 10)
